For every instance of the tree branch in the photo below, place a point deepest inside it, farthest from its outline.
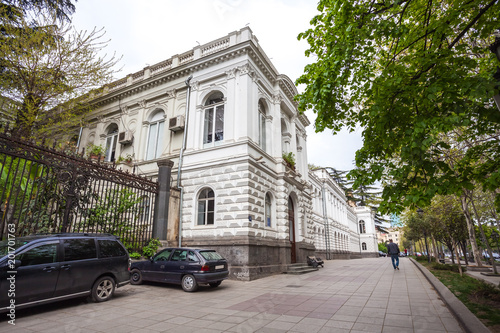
(474, 20)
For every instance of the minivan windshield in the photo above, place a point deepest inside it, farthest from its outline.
(211, 255)
(7, 246)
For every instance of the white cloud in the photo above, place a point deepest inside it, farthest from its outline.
(149, 31)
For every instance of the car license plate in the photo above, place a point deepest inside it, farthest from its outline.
(219, 267)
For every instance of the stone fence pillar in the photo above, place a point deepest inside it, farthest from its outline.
(160, 220)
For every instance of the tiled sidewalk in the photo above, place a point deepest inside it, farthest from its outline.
(363, 295)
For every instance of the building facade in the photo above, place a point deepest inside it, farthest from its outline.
(394, 233)
(228, 120)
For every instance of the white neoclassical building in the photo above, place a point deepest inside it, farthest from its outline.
(225, 116)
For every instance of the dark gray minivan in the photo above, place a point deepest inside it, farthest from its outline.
(52, 267)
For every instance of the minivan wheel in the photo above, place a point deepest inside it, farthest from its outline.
(189, 283)
(103, 289)
(215, 284)
(135, 277)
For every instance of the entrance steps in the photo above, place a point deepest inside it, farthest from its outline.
(299, 268)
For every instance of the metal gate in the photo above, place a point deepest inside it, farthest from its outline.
(43, 190)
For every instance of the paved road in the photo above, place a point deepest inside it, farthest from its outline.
(362, 295)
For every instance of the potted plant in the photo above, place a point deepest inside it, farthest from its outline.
(289, 160)
(95, 151)
(127, 159)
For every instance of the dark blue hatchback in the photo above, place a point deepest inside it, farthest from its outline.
(184, 266)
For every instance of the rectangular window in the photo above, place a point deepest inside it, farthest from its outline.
(155, 139)
(201, 212)
(210, 211)
(213, 127)
(110, 248)
(79, 249)
(262, 131)
(43, 254)
(111, 148)
(208, 131)
(219, 123)
(151, 142)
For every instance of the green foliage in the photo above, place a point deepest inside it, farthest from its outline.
(95, 150)
(114, 213)
(382, 247)
(417, 76)
(289, 159)
(135, 255)
(447, 267)
(313, 167)
(421, 258)
(481, 298)
(27, 193)
(150, 249)
(46, 67)
(128, 158)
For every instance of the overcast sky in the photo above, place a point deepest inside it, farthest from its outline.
(148, 31)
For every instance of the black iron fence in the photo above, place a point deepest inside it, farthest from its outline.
(43, 190)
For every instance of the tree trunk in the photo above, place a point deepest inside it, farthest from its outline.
(463, 247)
(435, 248)
(488, 247)
(458, 259)
(452, 250)
(421, 246)
(470, 228)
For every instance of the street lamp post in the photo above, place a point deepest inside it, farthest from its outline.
(420, 212)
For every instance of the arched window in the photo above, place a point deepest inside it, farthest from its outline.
(268, 210)
(213, 127)
(362, 228)
(111, 138)
(363, 246)
(154, 146)
(206, 207)
(262, 125)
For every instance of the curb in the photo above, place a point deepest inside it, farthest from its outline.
(469, 322)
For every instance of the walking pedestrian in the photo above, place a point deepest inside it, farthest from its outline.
(393, 250)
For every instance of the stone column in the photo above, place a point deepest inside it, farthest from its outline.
(160, 221)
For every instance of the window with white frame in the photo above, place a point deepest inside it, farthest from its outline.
(206, 207)
(154, 145)
(268, 210)
(213, 126)
(362, 227)
(111, 139)
(262, 125)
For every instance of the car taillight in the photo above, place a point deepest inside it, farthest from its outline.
(205, 268)
(129, 263)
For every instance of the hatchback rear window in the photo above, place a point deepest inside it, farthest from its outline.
(211, 255)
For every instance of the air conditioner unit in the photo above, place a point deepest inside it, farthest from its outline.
(125, 137)
(176, 123)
